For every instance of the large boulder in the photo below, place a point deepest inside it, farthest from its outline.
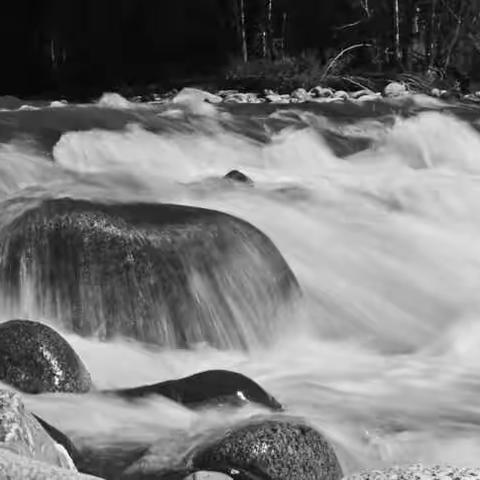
(217, 387)
(18, 467)
(164, 274)
(22, 434)
(272, 449)
(35, 358)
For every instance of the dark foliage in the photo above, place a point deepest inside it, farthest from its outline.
(84, 47)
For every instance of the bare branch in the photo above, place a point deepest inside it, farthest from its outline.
(343, 52)
(348, 25)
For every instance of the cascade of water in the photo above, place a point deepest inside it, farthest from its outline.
(381, 354)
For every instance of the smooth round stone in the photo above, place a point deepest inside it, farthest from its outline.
(395, 89)
(189, 94)
(35, 358)
(272, 449)
(239, 177)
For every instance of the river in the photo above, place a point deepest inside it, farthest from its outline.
(373, 206)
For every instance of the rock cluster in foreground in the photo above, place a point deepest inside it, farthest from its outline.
(36, 359)
(27, 452)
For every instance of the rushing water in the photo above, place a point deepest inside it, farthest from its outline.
(374, 206)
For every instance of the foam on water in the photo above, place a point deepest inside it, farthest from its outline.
(383, 242)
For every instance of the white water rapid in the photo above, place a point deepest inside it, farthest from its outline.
(376, 213)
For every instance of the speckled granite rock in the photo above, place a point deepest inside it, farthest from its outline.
(176, 270)
(17, 467)
(212, 387)
(35, 358)
(21, 434)
(418, 472)
(274, 449)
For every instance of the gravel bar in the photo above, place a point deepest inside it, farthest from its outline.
(418, 472)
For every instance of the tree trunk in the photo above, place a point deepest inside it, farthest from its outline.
(365, 6)
(269, 29)
(242, 29)
(408, 34)
(398, 54)
(452, 45)
(284, 33)
(430, 40)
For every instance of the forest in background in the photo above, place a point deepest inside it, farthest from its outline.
(87, 46)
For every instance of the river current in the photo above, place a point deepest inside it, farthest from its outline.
(374, 206)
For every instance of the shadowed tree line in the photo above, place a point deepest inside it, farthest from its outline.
(92, 45)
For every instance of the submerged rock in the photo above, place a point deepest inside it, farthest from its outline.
(164, 274)
(240, 177)
(271, 449)
(23, 435)
(211, 387)
(35, 358)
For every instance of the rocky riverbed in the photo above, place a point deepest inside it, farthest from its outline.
(319, 94)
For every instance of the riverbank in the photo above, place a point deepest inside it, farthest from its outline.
(318, 94)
